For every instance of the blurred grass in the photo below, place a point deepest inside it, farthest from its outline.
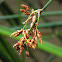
(48, 47)
(9, 49)
(6, 10)
(4, 55)
(19, 12)
(50, 58)
(44, 25)
(50, 13)
(10, 21)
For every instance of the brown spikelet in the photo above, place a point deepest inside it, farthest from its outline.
(15, 44)
(13, 34)
(34, 46)
(18, 32)
(27, 53)
(20, 50)
(26, 13)
(25, 6)
(39, 36)
(23, 10)
(40, 39)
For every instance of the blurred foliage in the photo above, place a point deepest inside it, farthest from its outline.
(46, 46)
(7, 53)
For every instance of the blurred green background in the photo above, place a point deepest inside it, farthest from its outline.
(50, 25)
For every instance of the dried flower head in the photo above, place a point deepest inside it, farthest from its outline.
(33, 31)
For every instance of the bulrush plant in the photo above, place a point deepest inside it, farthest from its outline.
(32, 31)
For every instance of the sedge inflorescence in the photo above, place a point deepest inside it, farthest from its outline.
(32, 31)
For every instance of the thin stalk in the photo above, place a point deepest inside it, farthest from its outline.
(37, 25)
(47, 4)
(29, 18)
(37, 11)
(32, 25)
(38, 20)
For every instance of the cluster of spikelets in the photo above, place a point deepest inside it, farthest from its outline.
(33, 32)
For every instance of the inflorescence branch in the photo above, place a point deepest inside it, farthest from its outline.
(32, 31)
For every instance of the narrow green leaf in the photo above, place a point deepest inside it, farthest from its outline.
(48, 47)
(51, 13)
(53, 24)
(45, 25)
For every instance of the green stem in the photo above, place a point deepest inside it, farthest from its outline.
(36, 12)
(37, 20)
(46, 4)
(37, 24)
(29, 18)
(32, 25)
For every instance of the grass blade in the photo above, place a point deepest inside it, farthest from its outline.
(48, 47)
(51, 13)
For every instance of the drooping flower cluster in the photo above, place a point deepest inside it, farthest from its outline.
(33, 32)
